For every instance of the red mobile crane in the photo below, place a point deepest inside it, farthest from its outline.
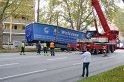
(99, 42)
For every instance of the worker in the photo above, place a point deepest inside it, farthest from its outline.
(86, 61)
(45, 49)
(22, 48)
(52, 48)
(39, 48)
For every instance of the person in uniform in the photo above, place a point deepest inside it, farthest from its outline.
(39, 48)
(22, 48)
(45, 49)
(52, 49)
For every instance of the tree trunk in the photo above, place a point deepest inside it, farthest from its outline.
(1, 34)
(69, 14)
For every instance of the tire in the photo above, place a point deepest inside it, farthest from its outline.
(101, 51)
(112, 48)
(95, 52)
(62, 49)
(108, 49)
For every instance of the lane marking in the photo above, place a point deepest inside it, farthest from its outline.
(78, 63)
(22, 74)
(57, 59)
(8, 64)
(95, 61)
(24, 57)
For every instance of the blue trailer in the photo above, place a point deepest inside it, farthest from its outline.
(44, 32)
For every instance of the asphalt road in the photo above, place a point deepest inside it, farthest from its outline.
(64, 67)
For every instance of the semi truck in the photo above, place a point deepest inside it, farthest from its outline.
(97, 42)
(35, 32)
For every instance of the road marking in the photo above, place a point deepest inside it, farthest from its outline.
(77, 63)
(24, 57)
(8, 64)
(22, 74)
(57, 59)
(99, 60)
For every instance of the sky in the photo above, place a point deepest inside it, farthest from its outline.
(120, 3)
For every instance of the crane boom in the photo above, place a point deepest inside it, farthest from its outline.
(96, 42)
(96, 5)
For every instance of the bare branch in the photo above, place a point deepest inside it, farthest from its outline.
(13, 10)
(78, 14)
(86, 17)
(3, 9)
(87, 25)
(67, 19)
(11, 3)
(69, 13)
(8, 5)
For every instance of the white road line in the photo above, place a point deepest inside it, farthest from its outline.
(95, 60)
(57, 59)
(77, 63)
(1, 59)
(8, 64)
(22, 74)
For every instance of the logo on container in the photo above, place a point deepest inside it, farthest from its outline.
(46, 30)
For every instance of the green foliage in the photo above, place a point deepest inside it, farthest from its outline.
(50, 14)
(17, 50)
(27, 9)
(26, 50)
(110, 9)
(74, 13)
(17, 8)
(119, 20)
(114, 75)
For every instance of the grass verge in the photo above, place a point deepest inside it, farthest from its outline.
(19, 49)
(16, 50)
(114, 75)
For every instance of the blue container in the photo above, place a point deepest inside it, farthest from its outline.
(45, 32)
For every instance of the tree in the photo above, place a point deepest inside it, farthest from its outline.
(77, 14)
(3, 9)
(48, 14)
(11, 7)
(119, 20)
(70, 13)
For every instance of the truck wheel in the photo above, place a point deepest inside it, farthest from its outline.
(108, 49)
(62, 49)
(101, 51)
(112, 49)
(95, 52)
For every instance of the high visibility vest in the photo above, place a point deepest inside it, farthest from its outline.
(44, 45)
(52, 45)
(23, 45)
